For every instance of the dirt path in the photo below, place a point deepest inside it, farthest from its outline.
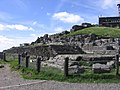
(12, 81)
(11, 78)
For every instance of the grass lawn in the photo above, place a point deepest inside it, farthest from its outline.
(55, 74)
(100, 31)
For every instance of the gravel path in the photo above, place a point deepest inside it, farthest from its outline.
(12, 81)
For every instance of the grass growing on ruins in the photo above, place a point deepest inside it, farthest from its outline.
(100, 31)
(46, 74)
(57, 75)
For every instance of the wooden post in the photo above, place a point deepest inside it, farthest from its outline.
(4, 56)
(66, 66)
(38, 64)
(27, 61)
(19, 58)
(117, 65)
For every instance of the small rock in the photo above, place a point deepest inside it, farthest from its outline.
(1, 66)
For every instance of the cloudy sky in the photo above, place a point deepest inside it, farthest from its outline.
(23, 21)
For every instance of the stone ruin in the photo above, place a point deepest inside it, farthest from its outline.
(100, 63)
(101, 68)
(88, 43)
(1, 55)
(55, 48)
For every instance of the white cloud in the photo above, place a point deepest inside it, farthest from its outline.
(33, 35)
(68, 17)
(109, 3)
(2, 27)
(35, 22)
(38, 26)
(5, 42)
(58, 29)
(14, 27)
(8, 42)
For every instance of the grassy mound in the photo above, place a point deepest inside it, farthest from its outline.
(100, 31)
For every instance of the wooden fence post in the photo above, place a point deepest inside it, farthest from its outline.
(117, 65)
(4, 56)
(38, 64)
(19, 59)
(66, 66)
(27, 61)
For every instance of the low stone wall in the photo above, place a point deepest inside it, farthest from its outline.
(101, 68)
(23, 62)
(105, 52)
(58, 62)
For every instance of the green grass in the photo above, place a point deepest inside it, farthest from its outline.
(35, 45)
(88, 77)
(100, 31)
(50, 73)
(13, 63)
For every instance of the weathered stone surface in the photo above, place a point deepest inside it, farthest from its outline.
(1, 55)
(111, 64)
(72, 63)
(109, 48)
(65, 49)
(105, 52)
(100, 68)
(76, 69)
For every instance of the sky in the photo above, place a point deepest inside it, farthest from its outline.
(22, 21)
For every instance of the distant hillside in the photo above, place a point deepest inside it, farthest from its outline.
(100, 31)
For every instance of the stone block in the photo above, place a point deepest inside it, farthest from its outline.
(100, 68)
(76, 69)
